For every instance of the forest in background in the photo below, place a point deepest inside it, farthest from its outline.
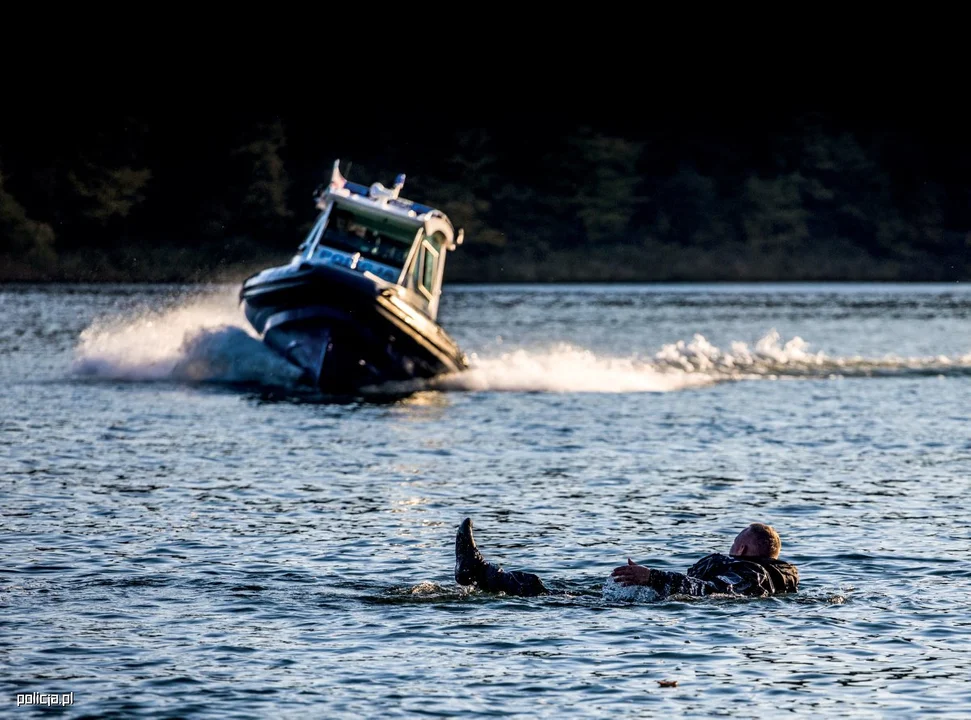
(741, 197)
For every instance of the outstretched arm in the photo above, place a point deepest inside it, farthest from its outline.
(664, 583)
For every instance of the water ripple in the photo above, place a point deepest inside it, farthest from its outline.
(178, 547)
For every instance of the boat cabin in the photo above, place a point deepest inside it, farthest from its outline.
(373, 231)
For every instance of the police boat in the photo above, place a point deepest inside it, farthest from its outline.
(358, 305)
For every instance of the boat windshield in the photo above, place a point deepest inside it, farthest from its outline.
(374, 239)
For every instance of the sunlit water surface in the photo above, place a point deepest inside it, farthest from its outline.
(187, 533)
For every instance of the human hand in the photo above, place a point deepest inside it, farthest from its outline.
(631, 574)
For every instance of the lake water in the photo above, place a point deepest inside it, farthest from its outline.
(186, 534)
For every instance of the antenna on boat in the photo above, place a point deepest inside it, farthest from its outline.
(399, 182)
(336, 179)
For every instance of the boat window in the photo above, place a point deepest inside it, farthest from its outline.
(430, 253)
(379, 241)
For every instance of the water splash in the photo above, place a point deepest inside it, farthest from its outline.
(565, 368)
(613, 592)
(681, 365)
(772, 358)
(207, 339)
(203, 339)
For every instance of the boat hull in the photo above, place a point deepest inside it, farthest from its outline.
(344, 329)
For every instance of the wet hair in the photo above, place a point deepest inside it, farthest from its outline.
(765, 539)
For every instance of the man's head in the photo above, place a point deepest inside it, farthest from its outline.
(757, 540)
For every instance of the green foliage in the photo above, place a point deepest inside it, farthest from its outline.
(259, 200)
(24, 242)
(607, 196)
(110, 192)
(537, 203)
(775, 217)
(690, 210)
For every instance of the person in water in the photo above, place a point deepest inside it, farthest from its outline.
(752, 568)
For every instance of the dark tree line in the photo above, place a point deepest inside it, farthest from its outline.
(789, 197)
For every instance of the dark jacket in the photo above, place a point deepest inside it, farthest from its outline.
(750, 576)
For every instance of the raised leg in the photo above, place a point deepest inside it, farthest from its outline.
(472, 569)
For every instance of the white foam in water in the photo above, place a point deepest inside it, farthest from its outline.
(613, 591)
(677, 366)
(567, 369)
(206, 339)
